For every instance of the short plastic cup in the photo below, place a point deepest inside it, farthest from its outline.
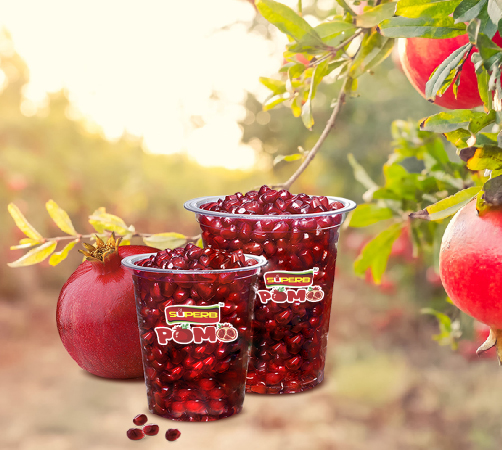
(292, 309)
(195, 332)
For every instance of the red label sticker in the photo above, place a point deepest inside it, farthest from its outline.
(197, 315)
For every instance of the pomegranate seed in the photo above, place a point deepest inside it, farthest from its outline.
(172, 434)
(140, 419)
(135, 434)
(151, 429)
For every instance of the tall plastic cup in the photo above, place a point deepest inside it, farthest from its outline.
(292, 309)
(195, 332)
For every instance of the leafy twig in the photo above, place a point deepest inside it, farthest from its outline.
(104, 224)
(329, 126)
(334, 50)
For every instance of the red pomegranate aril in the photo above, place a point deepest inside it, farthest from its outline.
(284, 195)
(269, 196)
(272, 378)
(253, 247)
(195, 407)
(207, 384)
(281, 350)
(135, 434)
(172, 434)
(151, 429)
(140, 419)
(264, 189)
(217, 406)
(284, 317)
(294, 363)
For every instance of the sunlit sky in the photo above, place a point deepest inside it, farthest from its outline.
(146, 67)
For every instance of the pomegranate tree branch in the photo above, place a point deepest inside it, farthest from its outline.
(79, 237)
(329, 126)
(334, 50)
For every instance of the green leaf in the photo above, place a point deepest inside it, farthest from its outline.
(35, 255)
(468, 10)
(345, 6)
(438, 28)
(58, 257)
(165, 240)
(25, 243)
(482, 78)
(360, 173)
(495, 10)
(293, 157)
(296, 71)
(23, 224)
(374, 49)
(368, 214)
(486, 26)
(448, 331)
(487, 139)
(443, 71)
(444, 122)
(458, 137)
(380, 56)
(448, 206)
(372, 16)
(101, 221)
(276, 86)
(375, 253)
(272, 102)
(290, 23)
(288, 158)
(60, 217)
(426, 8)
(493, 191)
(319, 73)
(333, 28)
(488, 50)
(483, 158)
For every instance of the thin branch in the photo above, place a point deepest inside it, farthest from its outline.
(80, 237)
(329, 126)
(334, 50)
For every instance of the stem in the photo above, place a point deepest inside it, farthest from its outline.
(79, 237)
(300, 8)
(329, 126)
(333, 50)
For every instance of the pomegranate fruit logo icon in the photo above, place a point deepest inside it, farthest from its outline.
(226, 333)
(182, 335)
(315, 295)
(279, 296)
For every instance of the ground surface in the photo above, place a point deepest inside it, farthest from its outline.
(388, 386)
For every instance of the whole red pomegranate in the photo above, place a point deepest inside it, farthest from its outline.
(421, 56)
(470, 266)
(96, 312)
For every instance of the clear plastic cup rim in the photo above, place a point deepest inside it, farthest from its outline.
(129, 263)
(194, 205)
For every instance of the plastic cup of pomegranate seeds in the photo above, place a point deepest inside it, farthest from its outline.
(298, 235)
(195, 329)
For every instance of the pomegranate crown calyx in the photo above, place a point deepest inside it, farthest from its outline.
(100, 251)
